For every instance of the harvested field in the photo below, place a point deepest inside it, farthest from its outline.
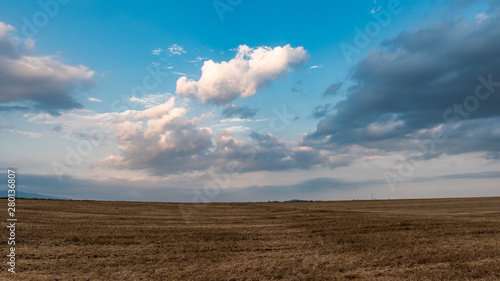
(428, 239)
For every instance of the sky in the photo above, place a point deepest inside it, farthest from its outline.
(234, 100)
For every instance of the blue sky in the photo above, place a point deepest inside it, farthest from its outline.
(251, 100)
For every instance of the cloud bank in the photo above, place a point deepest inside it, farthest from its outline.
(42, 80)
(420, 84)
(162, 140)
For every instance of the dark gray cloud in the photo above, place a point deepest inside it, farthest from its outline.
(266, 153)
(492, 156)
(309, 186)
(244, 112)
(482, 175)
(274, 155)
(41, 80)
(422, 79)
(13, 108)
(307, 190)
(332, 89)
(321, 110)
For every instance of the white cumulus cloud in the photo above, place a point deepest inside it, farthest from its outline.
(249, 71)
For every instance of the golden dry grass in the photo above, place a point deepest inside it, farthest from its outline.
(440, 239)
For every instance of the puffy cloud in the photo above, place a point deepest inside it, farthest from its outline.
(162, 140)
(418, 82)
(244, 112)
(170, 143)
(251, 70)
(43, 80)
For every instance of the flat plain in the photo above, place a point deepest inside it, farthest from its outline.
(425, 239)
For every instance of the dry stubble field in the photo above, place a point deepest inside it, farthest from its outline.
(439, 239)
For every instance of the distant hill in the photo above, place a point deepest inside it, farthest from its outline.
(297, 200)
(20, 194)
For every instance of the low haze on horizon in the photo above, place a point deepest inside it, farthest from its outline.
(223, 101)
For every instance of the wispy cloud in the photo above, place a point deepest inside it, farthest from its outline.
(156, 52)
(94, 100)
(236, 129)
(183, 74)
(25, 133)
(375, 9)
(197, 59)
(231, 120)
(151, 100)
(176, 50)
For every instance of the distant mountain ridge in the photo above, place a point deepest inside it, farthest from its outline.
(20, 194)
